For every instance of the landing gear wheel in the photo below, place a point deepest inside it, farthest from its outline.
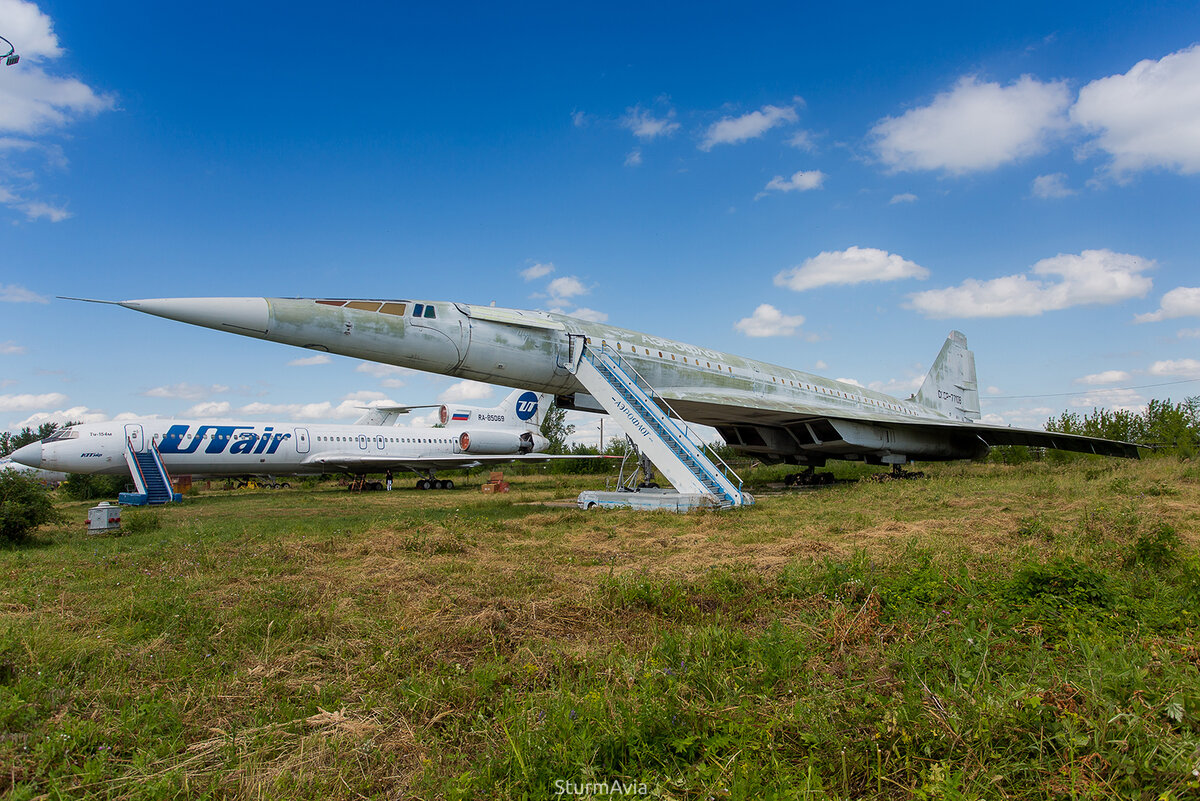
(286, 485)
(447, 484)
(439, 484)
(424, 484)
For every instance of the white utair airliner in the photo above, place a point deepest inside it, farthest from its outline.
(472, 436)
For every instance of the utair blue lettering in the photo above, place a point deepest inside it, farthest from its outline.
(177, 440)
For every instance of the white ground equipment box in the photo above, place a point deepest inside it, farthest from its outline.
(105, 517)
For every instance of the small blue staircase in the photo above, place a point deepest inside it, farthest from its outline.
(150, 476)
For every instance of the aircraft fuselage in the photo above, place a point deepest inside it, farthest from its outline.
(784, 414)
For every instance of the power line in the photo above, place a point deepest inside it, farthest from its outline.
(1090, 391)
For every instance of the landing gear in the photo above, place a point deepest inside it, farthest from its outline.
(897, 474)
(809, 478)
(434, 483)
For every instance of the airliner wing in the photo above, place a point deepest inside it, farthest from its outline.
(726, 408)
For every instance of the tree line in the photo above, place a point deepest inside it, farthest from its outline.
(1171, 428)
(9, 442)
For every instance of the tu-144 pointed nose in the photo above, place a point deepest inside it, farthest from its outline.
(29, 455)
(249, 316)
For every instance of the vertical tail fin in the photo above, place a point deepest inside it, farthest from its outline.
(529, 407)
(520, 408)
(951, 387)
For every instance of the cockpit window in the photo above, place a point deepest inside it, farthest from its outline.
(418, 309)
(62, 433)
(429, 312)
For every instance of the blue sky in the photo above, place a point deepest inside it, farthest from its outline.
(832, 189)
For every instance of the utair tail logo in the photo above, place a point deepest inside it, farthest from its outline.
(527, 405)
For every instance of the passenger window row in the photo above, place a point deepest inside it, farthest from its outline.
(621, 347)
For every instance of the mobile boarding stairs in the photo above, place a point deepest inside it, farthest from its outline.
(701, 477)
(150, 475)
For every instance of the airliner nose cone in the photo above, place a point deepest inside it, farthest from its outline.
(30, 455)
(250, 316)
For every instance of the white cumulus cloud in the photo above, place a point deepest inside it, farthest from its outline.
(209, 409)
(463, 391)
(186, 391)
(36, 104)
(11, 347)
(565, 287)
(801, 181)
(381, 370)
(309, 361)
(12, 293)
(1052, 186)
(768, 321)
(1185, 368)
(1129, 400)
(1092, 277)
(351, 405)
(1182, 301)
(591, 315)
(28, 402)
(733, 130)
(1148, 117)
(75, 414)
(802, 140)
(1106, 377)
(854, 265)
(646, 126)
(975, 126)
(904, 197)
(536, 271)
(389, 375)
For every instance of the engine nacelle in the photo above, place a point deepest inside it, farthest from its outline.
(498, 443)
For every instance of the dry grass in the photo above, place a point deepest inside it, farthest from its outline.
(248, 615)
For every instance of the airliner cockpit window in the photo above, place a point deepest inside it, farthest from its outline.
(418, 309)
(62, 433)
(429, 312)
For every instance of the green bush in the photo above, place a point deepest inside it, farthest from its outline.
(24, 505)
(1063, 583)
(86, 488)
(138, 521)
(1157, 549)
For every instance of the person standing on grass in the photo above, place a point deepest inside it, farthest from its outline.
(388, 478)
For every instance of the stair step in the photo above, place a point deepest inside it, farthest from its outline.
(690, 455)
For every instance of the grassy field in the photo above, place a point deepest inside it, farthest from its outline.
(989, 631)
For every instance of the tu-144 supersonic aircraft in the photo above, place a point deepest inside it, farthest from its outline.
(775, 413)
(471, 436)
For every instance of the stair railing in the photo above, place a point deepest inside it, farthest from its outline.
(673, 417)
(140, 478)
(162, 469)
